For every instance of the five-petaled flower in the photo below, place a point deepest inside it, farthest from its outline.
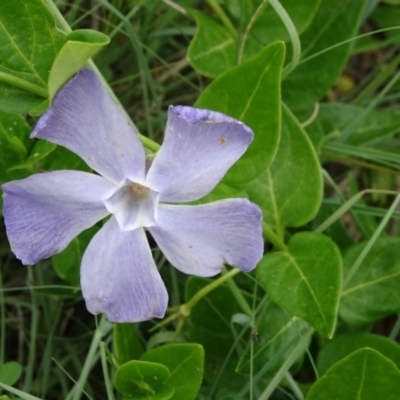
(44, 212)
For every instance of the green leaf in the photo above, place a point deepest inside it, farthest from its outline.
(78, 48)
(250, 93)
(334, 22)
(268, 26)
(373, 291)
(363, 375)
(290, 192)
(26, 58)
(186, 363)
(10, 373)
(14, 142)
(141, 380)
(212, 50)
(278, 334)
(67, 263)
(306, 280)
(127, 345)
(343, 345)
(334, 117)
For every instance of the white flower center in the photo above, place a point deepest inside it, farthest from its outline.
(134, 205)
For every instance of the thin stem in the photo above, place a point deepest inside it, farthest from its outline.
(293, 385)
(249, 26)
(223, 17)
(107, 380)
(396, 329)
(23, 84)
(209, 288)
(237, 293)
(286, 365)
(319, 53)
(347, 205)
(356, 122)
(294, 37)
(273, 237)
(371, 241)
(379, 79)
(92, 356)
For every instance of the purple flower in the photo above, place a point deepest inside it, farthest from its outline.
(44, 212)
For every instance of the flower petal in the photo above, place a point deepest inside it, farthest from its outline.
(198, 240)
(198, 149)
(84, 119)
(119, 277)
(44, 212)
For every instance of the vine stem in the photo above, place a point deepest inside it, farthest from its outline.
(184, 310)
(294, 37)
(273, 237)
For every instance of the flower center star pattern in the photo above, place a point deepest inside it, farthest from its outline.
(44, 212)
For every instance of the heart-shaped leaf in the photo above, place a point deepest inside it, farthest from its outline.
(306, 280)
(343, 345)
(186, 363)
(142, 380)
(363, 375)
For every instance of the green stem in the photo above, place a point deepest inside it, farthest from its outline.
(223, 17)
(207, 289)
(63, 24)
(286, 365)
(293, 385)
(107, 380)
(354, 124)
(379, 79)
(237, 293)
(273, 237)
(24, 85)
(92, 356)
(294, 37)
(248, 28)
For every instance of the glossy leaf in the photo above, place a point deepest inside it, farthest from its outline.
(290, 192)
(343, 345)
(142, 380)
(363, 375)
(334, 117)
(10, 372)
(250, 93)
(186, 363)
(212, 50)
(334, 22)
(373, 291)
(67, 263)
(278, 333)
(26, 59)
(79, 46)
(306, 280)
